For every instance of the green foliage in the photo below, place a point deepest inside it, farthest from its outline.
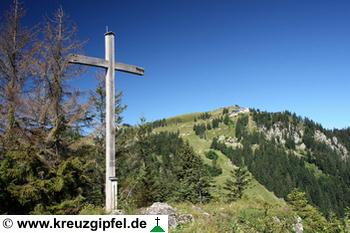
(199, 129)
(238, 182)
(242, 216)
(214, 169)
(312, 218)
(212, 155)
(241, 126)
(164, 168)
(269, 222)
(159, 123)
(280, 171)
(208, 126)
(226, 119)
(308, 137)
(195, 180)
(227, 223)
(47, 166)
(20, 171)
(290, 144)
(225, 111)
(30, 185)
(216, 122)
(67, 206)
(343, 136)
(91, 209)
(335, 224)
(204, 116)
(346, 220)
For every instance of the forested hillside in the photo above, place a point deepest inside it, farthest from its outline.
(282, 151)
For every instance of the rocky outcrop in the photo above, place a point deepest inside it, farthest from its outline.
(238, 111)
(174, 219)
(279, 133)
(230, 141)
(298, 226)
(333, 143)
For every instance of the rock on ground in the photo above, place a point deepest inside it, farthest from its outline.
(159, 208)
(298, 226)
(118, 212)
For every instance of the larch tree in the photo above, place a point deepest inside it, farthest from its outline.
(59, 108)
(16, 56)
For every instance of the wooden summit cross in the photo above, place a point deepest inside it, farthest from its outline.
(109, 64)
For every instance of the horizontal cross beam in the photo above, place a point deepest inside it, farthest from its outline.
(98, 62)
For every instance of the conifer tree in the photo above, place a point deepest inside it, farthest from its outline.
(226, 119)
(241, 126)
(239, 181)
(313, 219)
(98, 111)
(208, 126)
(215, 123)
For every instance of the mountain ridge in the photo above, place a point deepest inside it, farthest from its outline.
(320, 151)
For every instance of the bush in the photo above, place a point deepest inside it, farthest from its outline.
(214, 170)
(211, 155)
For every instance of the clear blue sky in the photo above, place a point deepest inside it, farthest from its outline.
(200, 55)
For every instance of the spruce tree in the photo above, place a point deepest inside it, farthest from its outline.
(226, 119)
(239, 181)
(313, 220)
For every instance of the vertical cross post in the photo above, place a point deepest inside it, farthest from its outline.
(110, 121)
(109, 64)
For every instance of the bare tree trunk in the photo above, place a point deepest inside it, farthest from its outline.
(15, 57)
(59, 42)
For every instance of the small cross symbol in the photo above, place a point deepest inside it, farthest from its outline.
(157, 219)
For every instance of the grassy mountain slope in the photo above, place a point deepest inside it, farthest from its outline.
(316, 159)
(257, 198)
(184, 124)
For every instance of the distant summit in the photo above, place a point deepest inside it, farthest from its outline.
(282, 151)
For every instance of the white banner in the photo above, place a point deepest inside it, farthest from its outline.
(83, 223)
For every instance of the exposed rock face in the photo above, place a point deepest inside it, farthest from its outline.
(332, 143)
(159, 208)
(298, 226)
(279, 134)
(238, 111)
(230, 141)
